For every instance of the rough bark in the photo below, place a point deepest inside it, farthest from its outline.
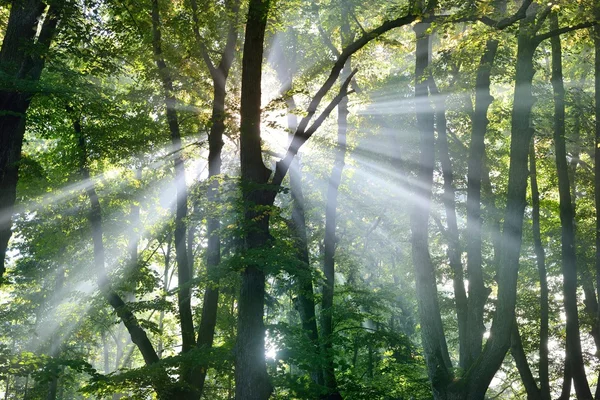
(540, 258)
(22, 60)
(184, 269)
(477, 291)
(568, 251)
(252, 381)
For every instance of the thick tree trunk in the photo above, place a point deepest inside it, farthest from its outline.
(432, 331)
(477, 290)
(540, 257)
(569, 262)
(22, 60)
(252, 380)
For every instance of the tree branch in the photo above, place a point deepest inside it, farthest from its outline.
(302, 135)
(566, 29)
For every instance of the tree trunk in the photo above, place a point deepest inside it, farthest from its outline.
(540, 257)
(305, 303)
(569, 258)
(596, 35)
(516, 349)
(432, 331)
(330, 239)
(477, 290)
(162, 384)
(252, 380)
(449, 200)
(482, 371)
(184, 269)
(206, 330)
(21, 68)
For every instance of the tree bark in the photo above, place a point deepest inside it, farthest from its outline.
(252, 380)
(569, 258)
(184, 267)
(540, 257)
(22, 60)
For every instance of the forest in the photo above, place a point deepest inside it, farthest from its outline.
(300, 199)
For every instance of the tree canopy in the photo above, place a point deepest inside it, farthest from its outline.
(299, 199)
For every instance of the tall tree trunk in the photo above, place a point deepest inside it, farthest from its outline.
(596, 35)
(330, 239)
(22, 60)
(482, 371)
(432, 331)
(162, 384)
(449, 200)
(477, 290)
(206, 330)
(569, 258)
(305, 301)
(252, 380)
(184, 268)
(540, 257)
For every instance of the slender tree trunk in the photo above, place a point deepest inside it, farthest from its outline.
(206, 330)
(184, 270)
(138, 335)
(477, 290)
(161, 316)
(449, 200)
(540, 257)
(252, 380)
(20, 66)
(569, 262)
(330, 239)
(516, 349)
(432, 331)
(482, 372)
(596, 35)
(305, 303)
